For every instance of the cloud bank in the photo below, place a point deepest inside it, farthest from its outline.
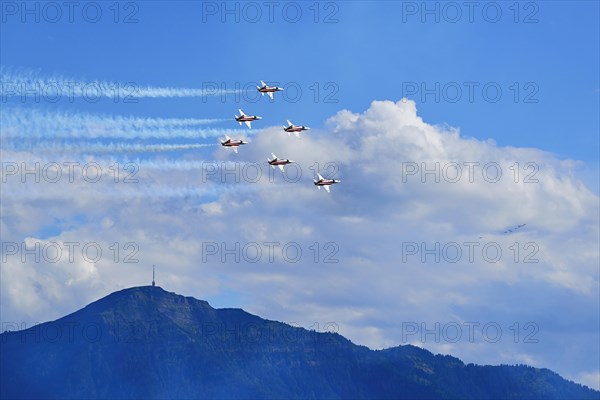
(409, 248)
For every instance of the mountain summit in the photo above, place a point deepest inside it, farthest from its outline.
(144, 342)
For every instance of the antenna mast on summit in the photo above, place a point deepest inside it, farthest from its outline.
(153, 283)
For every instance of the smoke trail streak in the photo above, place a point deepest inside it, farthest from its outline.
(93, 192)
(105, 147)
(89, 179)
(189, 165)
(108, 165)
(19, 123)
(27, 82)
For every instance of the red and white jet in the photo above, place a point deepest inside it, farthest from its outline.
(324, 182)
(280, 162)
(234, 144)
(296, 129)
(268, 89)
(246, 118)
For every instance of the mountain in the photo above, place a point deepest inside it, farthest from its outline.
(147, 343)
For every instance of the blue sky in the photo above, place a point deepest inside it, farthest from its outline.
(369, 53)
(364, 60)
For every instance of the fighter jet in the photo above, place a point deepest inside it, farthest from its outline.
(280, 162)
(295, 128)
(268, 89)
(324, 182)
(246, 118)
(234, 144)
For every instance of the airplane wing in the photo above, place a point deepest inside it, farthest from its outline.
(262, 83)
(270, 95)
(234, 149)
(241, 112)
(249, 123)
(227, 137)
(281, 167)
(297, 134)
(327, 188)
(320, 177)
(274, 156)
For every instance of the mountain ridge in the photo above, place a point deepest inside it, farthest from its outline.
(145, 342)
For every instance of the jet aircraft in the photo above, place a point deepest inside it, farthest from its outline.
(280, 162)
(268, 89)
(246, 118)
(325, 182)
(296, 129)
(233, 143)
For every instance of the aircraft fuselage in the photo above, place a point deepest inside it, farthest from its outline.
(325, 182)
(245, 118)
(280, 162)
(233, 143)
(294, 129)
(269, 89)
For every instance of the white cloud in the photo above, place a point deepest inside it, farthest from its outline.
(366, 223)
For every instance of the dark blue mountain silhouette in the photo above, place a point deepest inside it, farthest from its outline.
(146, 343)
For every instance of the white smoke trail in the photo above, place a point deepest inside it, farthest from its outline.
(91, 178)
(104, 147)
(79, 177)
(191, 165)
(108, 165)
(21, 123)
(27, 83)
(94, 191)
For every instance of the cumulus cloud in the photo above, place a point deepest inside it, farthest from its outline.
(410, 246)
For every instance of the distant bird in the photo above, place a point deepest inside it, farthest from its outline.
(511, 230)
